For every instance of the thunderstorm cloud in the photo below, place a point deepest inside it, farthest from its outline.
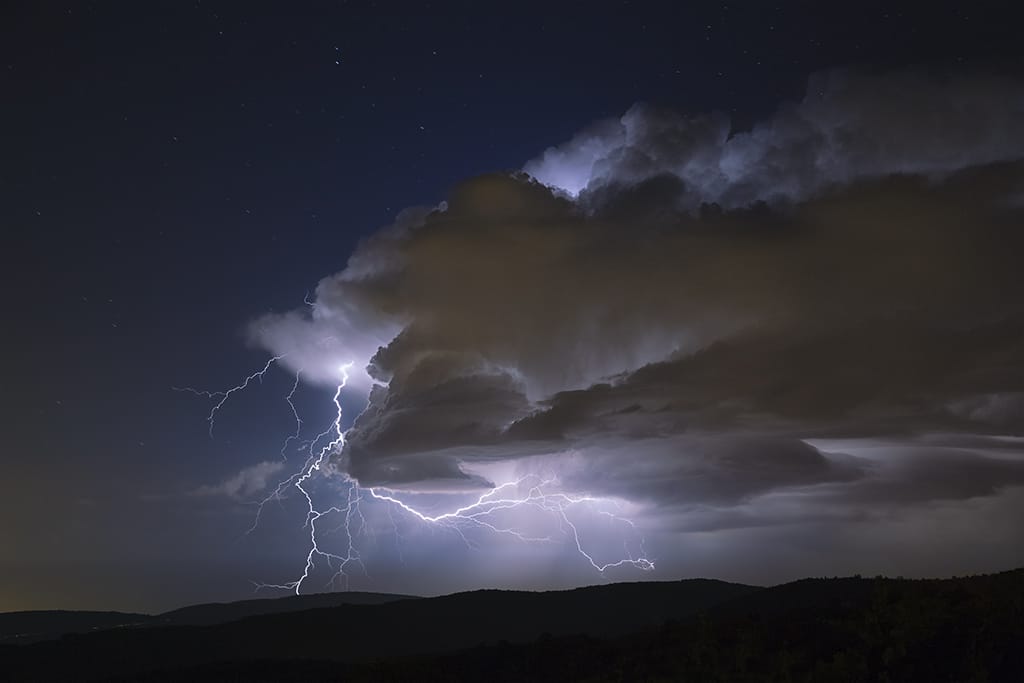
(815, 319)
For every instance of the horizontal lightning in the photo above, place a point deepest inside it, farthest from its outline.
(527, 492)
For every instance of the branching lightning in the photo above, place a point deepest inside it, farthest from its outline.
(222, 396)
(530, 492)
(492, 501)
(313, 514)
(295, 414)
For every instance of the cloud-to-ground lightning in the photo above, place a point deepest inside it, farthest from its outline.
(529, 492)
(311, 467)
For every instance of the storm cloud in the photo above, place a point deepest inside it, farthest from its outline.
(820, 317)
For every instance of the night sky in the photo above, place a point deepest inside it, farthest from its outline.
(730, 289)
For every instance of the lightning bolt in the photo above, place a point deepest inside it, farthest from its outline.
(312, 466)
(483, 514)
(222, 396)
(487, 504)
(295, 414)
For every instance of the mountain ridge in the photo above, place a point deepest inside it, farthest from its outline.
(847, 628)
(29, 626)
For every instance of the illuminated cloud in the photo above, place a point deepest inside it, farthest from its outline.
(849, 126)
(246, 484)
(671, 312)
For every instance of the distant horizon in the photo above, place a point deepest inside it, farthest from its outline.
(522, 590)
(871, 628)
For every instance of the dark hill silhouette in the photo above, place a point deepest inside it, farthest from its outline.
(847, 629)
(221, 612)
(361, 632)
(29, 627)
(19, 628)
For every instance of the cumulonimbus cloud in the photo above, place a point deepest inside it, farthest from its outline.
(668, 310)
(849, 126)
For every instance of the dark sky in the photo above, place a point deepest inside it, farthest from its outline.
(170, 172)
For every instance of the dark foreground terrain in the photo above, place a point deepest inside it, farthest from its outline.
(20, 628)
(963, 629)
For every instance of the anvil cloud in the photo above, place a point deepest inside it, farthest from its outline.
(819, 319)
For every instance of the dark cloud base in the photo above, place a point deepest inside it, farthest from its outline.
(818, 320)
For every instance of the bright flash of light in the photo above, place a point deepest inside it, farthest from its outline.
(530, 492)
